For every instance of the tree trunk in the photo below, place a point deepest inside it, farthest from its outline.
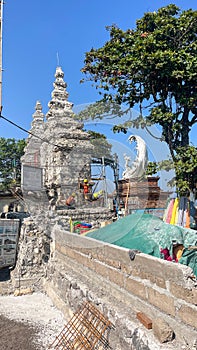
(185, 128)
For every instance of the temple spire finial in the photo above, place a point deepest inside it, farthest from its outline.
(58, 59)
(59, 102)
(38, 116)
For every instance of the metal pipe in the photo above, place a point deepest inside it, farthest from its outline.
(1, 40)
(104, 181)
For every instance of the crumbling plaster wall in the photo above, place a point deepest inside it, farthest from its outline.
(36, 236)
(83, 268)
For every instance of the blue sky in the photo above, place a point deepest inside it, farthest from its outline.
(33, 33)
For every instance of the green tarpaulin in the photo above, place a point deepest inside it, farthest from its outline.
(148, 233)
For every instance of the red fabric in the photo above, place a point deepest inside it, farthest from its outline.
(166, 255)
(85, 188)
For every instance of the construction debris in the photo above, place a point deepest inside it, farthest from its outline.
(145, 320)
(88, 329)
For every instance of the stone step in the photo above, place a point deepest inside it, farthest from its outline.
(33, 282)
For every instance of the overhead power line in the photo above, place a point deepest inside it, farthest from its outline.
(31, 133)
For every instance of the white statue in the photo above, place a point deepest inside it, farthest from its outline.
(138, 167)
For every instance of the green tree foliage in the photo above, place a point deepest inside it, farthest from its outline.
(11, 151)
(152, 168)
(99, 109)
(153, 66)
(102, 148)
(186, 168)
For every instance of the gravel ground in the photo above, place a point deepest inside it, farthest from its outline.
(17, 335)
(28, 322)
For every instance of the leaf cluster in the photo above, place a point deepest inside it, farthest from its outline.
(102, 148)
(152, 168)
(97, 110)
(155, 59)
(186, 169)
(11, 151)
(155, 167)
(153, 66)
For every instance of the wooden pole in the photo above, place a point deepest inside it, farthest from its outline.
(127, 198)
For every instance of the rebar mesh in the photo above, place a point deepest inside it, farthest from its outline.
(88, 329)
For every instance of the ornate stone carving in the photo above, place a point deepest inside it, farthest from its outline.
(59, 103)
(32, 149)
(67, 148)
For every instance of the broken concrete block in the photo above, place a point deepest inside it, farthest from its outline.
(162, 331)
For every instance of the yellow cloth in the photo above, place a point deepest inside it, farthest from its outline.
(174, 211)
(177, 214)
(71, 225)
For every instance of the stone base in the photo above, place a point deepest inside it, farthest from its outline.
(135, 194)
(93, 216)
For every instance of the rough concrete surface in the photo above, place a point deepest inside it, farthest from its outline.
(28, 322)
(17, 335)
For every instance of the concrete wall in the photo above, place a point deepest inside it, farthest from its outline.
(83, 268)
